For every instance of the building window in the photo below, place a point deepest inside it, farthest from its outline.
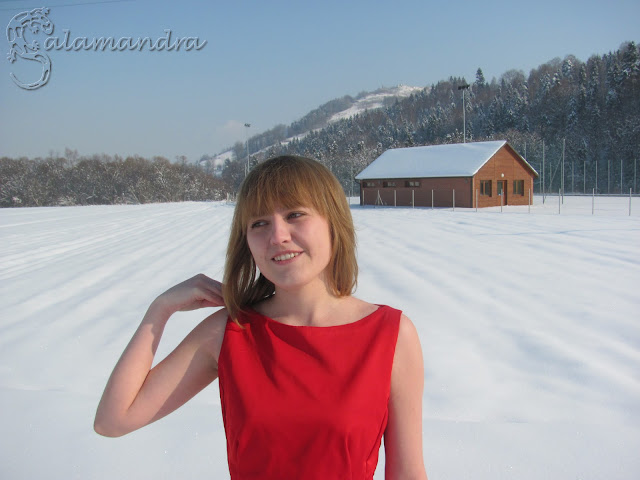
(412, 183)
(370, 184)
(485, 187)
(518, 187)
(388, 184)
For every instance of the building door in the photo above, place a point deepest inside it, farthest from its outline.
(502, 190)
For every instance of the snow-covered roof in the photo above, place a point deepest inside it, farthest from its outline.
(451, 160)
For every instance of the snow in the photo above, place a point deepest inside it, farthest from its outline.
(528, 322)
(374, 100)
(451, 160)
(221, 158)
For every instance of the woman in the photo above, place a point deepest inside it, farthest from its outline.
(311, 378)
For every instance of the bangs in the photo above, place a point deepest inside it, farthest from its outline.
(285, 185)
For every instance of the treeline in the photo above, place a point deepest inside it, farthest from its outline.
(103, 180)
(590, 111)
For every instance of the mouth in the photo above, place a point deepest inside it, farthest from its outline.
(286, 256)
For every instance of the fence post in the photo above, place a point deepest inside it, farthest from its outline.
(454, 200)
(394, 199)
(413, 199)
(432, 199)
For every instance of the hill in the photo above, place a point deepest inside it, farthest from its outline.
(587, 111)
(319, 118)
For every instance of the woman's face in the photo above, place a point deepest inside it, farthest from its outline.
(291, 247)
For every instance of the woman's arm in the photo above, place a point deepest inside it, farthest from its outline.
(403, 435)
(137, 395)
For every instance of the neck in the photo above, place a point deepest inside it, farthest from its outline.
(311, 306)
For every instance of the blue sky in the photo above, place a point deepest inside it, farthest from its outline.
(268, 62)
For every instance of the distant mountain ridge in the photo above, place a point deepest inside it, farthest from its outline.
(319, 118)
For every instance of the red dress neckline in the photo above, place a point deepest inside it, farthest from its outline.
(355, 323)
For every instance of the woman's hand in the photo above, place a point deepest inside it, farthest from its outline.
(197, 292)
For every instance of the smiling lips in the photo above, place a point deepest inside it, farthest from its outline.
(286, 256)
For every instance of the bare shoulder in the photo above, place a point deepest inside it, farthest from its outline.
(407, 333)
(359, 306)
(358, 309)
(210, 332)
(408, 350)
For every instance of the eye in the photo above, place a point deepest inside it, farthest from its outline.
(295, 215)
(257, 224)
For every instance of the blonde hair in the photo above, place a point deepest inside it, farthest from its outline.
(287, 182)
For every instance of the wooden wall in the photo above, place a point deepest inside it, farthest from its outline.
(505, 162)
(436, 190)
(505, 165)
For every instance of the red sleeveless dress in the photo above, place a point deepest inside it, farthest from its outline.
(306, 402)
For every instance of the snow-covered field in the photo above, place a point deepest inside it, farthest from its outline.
(529, 323)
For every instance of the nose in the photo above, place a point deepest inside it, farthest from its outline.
(279, 231)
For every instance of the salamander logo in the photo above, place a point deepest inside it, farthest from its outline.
(32, 21)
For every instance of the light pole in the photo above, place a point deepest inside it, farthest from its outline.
(247, 125)
(464, 113)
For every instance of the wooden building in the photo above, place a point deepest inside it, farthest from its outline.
(476, 173)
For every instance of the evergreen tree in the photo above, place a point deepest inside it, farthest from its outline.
(480, 81)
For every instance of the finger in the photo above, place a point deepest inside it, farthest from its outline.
(207, 298)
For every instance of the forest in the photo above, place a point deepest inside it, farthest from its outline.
(585, 113)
